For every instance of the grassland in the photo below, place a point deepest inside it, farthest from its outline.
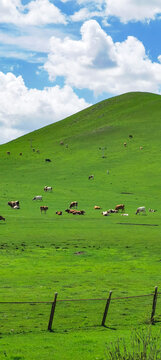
(81, 256)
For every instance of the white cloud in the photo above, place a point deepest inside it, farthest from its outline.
(125, 10)
(133, 10)
(97, 63)
(36, 12)
(84, 14)
(23, 110)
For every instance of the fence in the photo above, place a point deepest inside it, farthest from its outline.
(64, 315)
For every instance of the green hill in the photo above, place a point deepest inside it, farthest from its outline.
(81, 256)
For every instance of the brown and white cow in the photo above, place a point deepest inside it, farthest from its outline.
(59, 212)
(12, 204)
(73, 204)
(120, 207)
(43, 208)
(97, 207)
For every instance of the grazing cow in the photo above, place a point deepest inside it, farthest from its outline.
(112, 211)
(78, 212)
(152, 210)
(90, 177)
(130, 136)
(48, 188)
(21, 154)
(125, 144)
(70, 211)
(73, 204)
(47, 160)
(97, 207)
(59, 212)
(2, 218)
(120, 207)
(141, 147)
(38, 197)
(105, 213)
(8, 153)
(13, 203)
(43, 208)
(140, 209)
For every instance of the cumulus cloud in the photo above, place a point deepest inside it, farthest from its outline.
(23, 110)
(125, 10)
(133, 10)
(35, 12)
(97, 63)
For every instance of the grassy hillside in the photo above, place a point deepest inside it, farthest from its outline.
(81, 256)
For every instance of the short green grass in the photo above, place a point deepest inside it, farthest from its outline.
(81, 257)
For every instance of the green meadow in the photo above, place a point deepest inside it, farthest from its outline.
(81, 257)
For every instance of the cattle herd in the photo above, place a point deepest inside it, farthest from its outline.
(73, 207)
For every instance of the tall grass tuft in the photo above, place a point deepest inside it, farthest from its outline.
(141, 346)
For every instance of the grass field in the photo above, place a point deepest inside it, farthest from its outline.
(81, 257)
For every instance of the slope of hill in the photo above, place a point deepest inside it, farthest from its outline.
(39, 252)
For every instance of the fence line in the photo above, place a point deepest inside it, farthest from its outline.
(106, 309)
(66, 300)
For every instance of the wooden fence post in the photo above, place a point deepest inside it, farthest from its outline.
(52, 312)
(154, 305)
(106, 309)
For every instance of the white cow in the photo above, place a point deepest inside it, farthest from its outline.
(48, 188)
(105, 213)
(38, 197)
(140, 209)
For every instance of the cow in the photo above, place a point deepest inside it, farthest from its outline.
(78, 212)
(124, 214)
(105, 213)
(130, 136)
(20, 154)
(8, 153)
(125, 144)
(59, 212)
(73, 204)
(47, 160)
(140, 209)
(152, 210)
(97, 207)
(13, 203)
(2, 218)
(70, 211)
(61, 142)
(120, 207)
(38, 197)
(90, 177)
(48, 188)
(141, 147)
(43, 208)
(112, 211)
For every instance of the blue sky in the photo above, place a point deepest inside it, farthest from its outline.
(58, 57)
